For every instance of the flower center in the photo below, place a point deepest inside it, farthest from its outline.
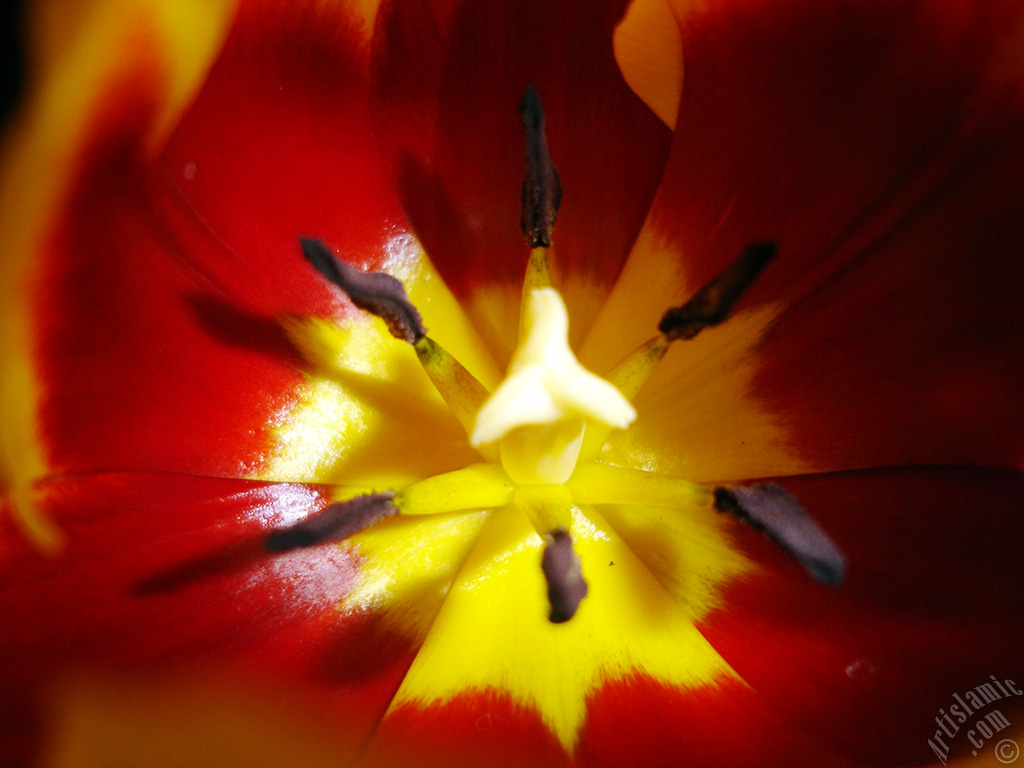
(541, 430)
(539, 413)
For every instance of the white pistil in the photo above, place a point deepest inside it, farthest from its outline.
(540, 411)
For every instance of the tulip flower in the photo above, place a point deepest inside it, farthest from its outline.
(770, 285)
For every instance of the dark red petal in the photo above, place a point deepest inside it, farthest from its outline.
(930, 608)
(160, 283)
(643, 722)
(881, 144)
(448, 78)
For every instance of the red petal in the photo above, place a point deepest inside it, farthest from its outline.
(151, 561)
(447, 83)
(632, 722)
(165, 569)
(641, 722)
(279, 142)
(881, 145)
(930, 608)
(473, 730)
(162, 281)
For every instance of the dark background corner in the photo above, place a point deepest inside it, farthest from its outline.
(12, 69)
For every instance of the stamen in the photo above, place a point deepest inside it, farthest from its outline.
(709, 306)
(538, 272)
(548, 506)
(335, 522)
(712, 303)
(479, 486)
(542, 195)
(597, 483)
(542, 189)
(538, 276)
(630, 375)
(774, 511)
(378, 293)
(561, 566)
(460, 389)
(384, 296)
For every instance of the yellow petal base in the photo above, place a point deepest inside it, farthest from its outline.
(458, 571)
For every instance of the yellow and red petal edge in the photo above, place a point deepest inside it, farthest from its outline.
(165, 48)
(442, 103)
(880, 145)
(150, 343)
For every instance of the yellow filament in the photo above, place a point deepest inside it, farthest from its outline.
(480, 486)
(538, 275)
(459, 388)
(538, 271)
(629, 377)
(632, 373)
(606, 484)
(548, 506)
